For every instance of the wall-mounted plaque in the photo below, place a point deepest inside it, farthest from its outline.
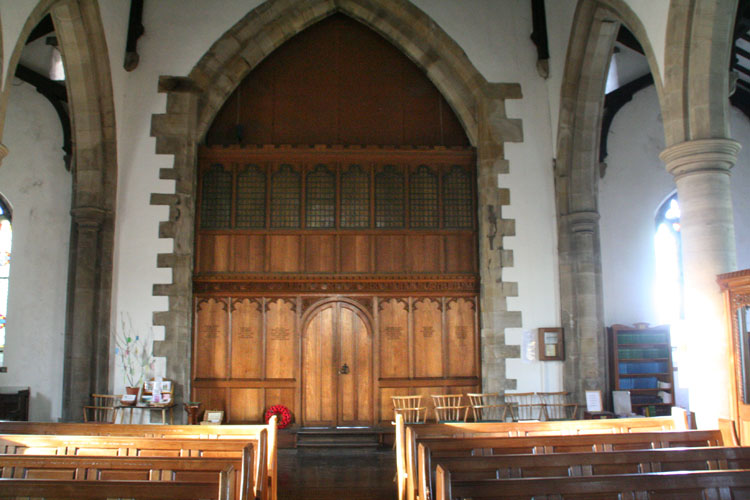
(551, 344)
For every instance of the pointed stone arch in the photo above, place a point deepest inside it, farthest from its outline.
(193, 101)
(94, 166)
(594, 33)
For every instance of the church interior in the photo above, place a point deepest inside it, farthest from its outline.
(338, 213)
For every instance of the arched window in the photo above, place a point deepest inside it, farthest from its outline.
(668, 291)
(6, 235)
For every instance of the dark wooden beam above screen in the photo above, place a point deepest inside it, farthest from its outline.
(539, 36)
(57, 95)
(614, 101)
(135, 31)
(45, 27)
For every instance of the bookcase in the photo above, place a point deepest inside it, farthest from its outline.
(641, 362)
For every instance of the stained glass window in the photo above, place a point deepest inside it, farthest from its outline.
(6, 235)
(285, 198)
(320, 198)
(389, 198)
(458, 211)
(251, 198)
(355, 198)
(423, 198)
(216, 202)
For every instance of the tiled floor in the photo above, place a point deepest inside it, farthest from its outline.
(334, 474)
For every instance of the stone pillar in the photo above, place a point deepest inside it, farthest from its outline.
(584, 368)
(85, 369)
(701, 172)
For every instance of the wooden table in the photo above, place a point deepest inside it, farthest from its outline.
(141, 406)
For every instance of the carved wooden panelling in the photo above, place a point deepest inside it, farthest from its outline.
(248, 253)
(246, 405)
(394, 338)
(355, 253)
(320, 253)
(211, 398)
(212, 326)
(281, 339)
(284, 253)
(390, 254)
(247, 339)
(423, 253)
(462, 333)
(428, 338)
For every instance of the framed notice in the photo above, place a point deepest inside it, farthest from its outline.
(594, 401)
(551, 344)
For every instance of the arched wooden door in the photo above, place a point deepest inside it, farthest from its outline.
(337, 368)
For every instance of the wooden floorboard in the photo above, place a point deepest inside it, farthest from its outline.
(329, 474)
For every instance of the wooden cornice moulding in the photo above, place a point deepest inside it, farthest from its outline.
(234, 284)
(322, 151)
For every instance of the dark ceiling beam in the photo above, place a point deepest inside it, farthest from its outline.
(741, 99)
(614, 101)
(45, 27)
(539, 36)
(57, 95)
(743, 52)
(135, 31)
(625, 37)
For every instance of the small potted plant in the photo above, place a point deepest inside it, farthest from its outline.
(134, 354)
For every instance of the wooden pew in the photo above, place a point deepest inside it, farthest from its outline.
(136, 489)
(161, 431)
(685, 485)
(474, 444)
(22, 444)
(406, 448)
(579, 464)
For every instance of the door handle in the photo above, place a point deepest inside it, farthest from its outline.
(344, 369)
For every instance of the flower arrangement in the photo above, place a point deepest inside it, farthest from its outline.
(134, 353)
(283, 414)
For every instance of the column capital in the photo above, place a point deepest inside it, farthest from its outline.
(88, 217)
(700, 155)
(584, 221)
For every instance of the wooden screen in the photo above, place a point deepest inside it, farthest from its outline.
(389, 233)
(333, 275)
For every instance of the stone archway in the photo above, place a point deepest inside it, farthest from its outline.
(576, 179)
(193, 101)
(94, 166)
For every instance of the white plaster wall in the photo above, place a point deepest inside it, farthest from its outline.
(634, 186)
(34, 180)
(185, 30)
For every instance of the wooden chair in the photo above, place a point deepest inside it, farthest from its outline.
(557, 406)
(486, 407)
(450, 408)
(524, 406)
(102, 408)
(410, 407)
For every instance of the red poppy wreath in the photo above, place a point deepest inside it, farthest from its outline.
(284, 416)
